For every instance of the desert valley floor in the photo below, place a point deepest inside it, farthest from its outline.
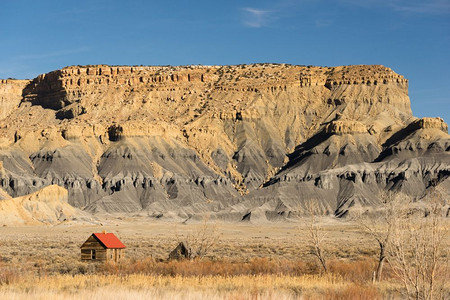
(269, 261)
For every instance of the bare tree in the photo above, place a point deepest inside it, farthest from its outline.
(316, 234)
(417, 253)
(379, 224)
(200, 241)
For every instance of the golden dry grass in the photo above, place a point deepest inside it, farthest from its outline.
(250, 262)
(139, 286)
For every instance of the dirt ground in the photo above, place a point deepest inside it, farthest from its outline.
(43, 262)
(145, 238)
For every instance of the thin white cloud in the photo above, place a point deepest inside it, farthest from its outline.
(422, 7)
(320, 23)
(256, 18)
(406, 6)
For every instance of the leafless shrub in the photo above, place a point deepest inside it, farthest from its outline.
(379, 224)
(316, 234)
(200, 241)
(417, 253)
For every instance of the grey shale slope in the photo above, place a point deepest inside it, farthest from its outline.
(245, 142)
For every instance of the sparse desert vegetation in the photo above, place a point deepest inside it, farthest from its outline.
(248, 262)
(267, 149)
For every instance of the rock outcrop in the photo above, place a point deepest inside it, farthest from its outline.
(46, 206)
(345, 127)
(247, 140)
(10, 95)
(437, 123)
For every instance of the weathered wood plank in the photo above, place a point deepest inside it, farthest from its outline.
(91, 245)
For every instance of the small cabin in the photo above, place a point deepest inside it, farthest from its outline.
(102, 247)
(180, 252)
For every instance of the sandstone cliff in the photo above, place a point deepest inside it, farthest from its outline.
(46, 206)
(225, 139)
(10, 95)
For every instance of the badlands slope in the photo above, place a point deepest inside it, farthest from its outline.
(46, 206)
(246, 142)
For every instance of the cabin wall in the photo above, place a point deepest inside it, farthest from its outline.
(100, 254)
(93, 244)
(120, 254)
(86, 254)
(114, 254)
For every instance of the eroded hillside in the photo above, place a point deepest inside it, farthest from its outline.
(245, 142)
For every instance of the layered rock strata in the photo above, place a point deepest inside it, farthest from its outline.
(180, 141)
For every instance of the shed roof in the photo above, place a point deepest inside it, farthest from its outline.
(109, 240)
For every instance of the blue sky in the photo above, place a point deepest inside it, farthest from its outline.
(412, 37)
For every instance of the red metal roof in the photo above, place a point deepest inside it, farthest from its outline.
(109, 240)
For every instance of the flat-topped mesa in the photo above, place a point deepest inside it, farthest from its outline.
(77, 90)
(425, 123)
(184, 141)
(340, 127)
(267, 75)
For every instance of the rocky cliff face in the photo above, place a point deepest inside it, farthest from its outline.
(235, 140)
(10, 95)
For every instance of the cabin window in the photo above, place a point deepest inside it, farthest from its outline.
(93, 254)
(111, 255)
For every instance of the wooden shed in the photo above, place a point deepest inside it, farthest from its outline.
(180, 252)
(102, 247)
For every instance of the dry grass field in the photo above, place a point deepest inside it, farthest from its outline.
(271, 261)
